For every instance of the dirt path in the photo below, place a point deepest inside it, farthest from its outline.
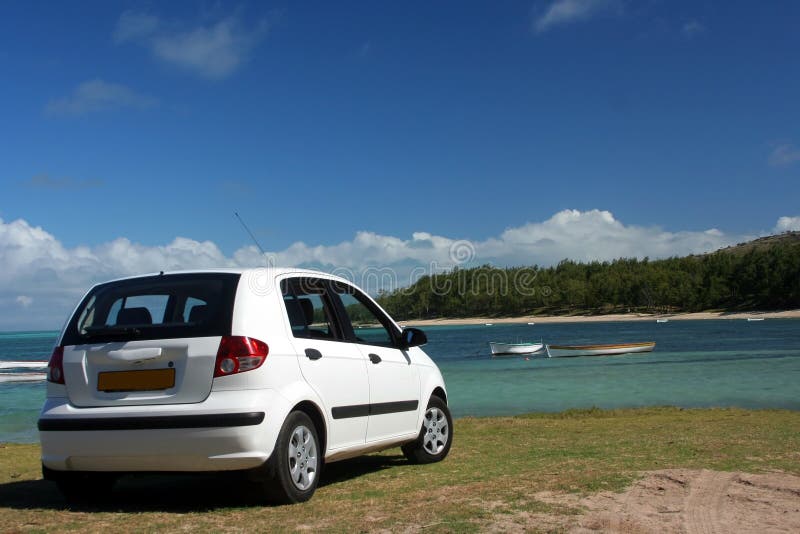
(684, 501)
(705, 502)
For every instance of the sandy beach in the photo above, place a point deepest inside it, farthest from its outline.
(683, 501)
(784, 314)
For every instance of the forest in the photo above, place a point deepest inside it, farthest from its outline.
(751, 276)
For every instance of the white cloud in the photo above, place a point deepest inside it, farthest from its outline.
(34, 264)
(692, 27)
(597, 235)
(98, 95)
(784, 155)
(212, 51)
(561, 12)
(586, 236)
(787, 224)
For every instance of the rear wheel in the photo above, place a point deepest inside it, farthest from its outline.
(435, 436)
(295, 464)
(82, 487)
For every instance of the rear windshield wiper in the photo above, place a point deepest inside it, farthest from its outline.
(111, 331)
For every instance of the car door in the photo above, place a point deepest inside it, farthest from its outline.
(394, 390)
(332, 366)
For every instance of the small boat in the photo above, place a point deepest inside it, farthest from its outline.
(501, 349)
(751, 319)
(488, 324)
(531, 324)
(566, 351)
(662, 320)
(22, 377)
(23, 365)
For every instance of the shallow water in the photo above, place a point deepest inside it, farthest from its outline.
(695, 364)
(20, 402)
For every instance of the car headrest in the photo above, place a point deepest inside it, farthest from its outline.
(134, 316)
(295, 312)
(198, 313)
(308, 309)
(300, 311)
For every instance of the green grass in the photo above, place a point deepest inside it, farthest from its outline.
(496, 467)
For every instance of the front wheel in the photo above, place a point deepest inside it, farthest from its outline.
(435, 437)
(294, 466)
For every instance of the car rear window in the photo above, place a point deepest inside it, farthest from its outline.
(157, 307)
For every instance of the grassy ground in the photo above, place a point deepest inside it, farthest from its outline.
(494, 470)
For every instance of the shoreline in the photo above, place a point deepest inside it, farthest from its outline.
(544, 319)
(613, 317)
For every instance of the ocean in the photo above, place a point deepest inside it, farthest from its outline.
(20, 401)
(695, 364)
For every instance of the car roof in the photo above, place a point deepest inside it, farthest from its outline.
(262, 271)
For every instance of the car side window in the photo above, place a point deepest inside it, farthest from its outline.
(309, 309)
(369, 327)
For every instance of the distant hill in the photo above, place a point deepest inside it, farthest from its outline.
(763, 243)
(763, 274)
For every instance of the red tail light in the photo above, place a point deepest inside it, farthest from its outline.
(238, 354)
(55, 367)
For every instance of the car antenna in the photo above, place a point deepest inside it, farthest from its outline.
(250, 234)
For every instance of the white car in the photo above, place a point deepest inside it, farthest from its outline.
(270, 371)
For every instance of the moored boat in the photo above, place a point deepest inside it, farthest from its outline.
(22, 377)
(23, 364)
(510, 349)
(565, 351)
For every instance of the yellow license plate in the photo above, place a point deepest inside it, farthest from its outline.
(149, 380)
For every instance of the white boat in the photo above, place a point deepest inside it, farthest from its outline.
(662, 320)
(531, 324)
(566, 351)
(22, 377)
(510, 349)
(23, 365)
(488, 324)
(751, 319)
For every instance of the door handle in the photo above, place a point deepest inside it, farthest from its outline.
(313, 354)
(374, 358)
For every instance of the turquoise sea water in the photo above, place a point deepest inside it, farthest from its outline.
(695, 363)
(20, 402)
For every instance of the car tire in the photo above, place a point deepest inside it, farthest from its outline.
(435, 436)
(294, 467)
(83, 488)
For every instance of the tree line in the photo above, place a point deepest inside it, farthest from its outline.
(760, 278)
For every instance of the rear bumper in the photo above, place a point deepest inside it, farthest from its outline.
(148, 422)
(230, 430)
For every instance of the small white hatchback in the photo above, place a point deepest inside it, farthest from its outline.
(270, 371)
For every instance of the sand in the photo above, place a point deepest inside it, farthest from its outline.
(786, 314)
(677, 500)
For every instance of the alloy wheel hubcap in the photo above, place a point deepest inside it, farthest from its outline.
(302, 458)
(437, 431)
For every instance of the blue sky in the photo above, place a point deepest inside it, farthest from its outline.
(131, 124)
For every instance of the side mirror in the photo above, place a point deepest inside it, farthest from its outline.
(413, 337)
